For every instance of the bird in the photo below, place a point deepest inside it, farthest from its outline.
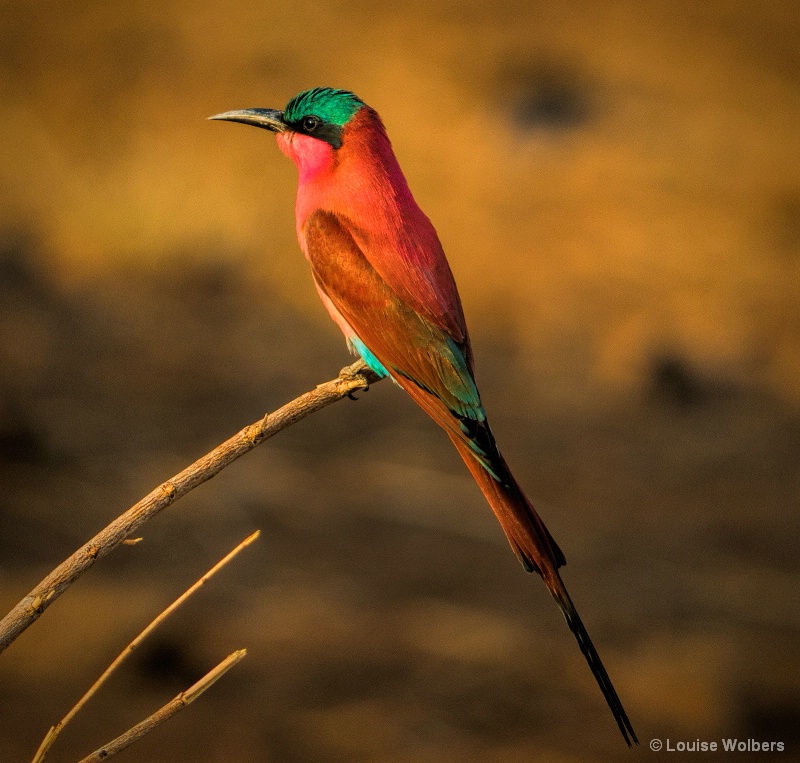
(380, 270)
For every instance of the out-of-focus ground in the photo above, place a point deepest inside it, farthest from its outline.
(617, 185)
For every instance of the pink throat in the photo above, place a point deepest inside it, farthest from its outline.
(313, 157)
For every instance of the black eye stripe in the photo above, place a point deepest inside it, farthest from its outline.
(316, 127)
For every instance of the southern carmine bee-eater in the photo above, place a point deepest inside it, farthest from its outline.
(382, 275)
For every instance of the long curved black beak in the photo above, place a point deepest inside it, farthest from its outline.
(269, 119)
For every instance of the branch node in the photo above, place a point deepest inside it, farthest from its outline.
(255, 433)
(168, 488)
(40, 602)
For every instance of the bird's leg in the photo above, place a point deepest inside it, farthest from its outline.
(358, 371)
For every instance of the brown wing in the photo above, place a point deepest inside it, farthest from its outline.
(407, 344)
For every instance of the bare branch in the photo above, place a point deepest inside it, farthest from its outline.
(166, 712)
(54, 731)
(351, 379)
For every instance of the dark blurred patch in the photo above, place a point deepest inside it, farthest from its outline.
(20, 440)
(16, 263)
(674, 382)
(547, 95)
(774, 717)
(28, 312)
(165, 661)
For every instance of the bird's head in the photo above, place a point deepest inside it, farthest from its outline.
(310, 130)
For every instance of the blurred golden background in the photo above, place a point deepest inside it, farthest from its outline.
(617, 185)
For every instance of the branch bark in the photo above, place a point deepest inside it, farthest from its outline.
(351, 379)
(54, 731)
(166, 712)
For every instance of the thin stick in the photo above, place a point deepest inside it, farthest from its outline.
(166, 712)
(54, 731)
(351, 379)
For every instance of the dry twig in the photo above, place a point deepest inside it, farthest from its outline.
(166, 712)
(54, 731)
(351, 379)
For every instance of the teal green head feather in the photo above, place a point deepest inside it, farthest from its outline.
(333, 106)
(322, 113)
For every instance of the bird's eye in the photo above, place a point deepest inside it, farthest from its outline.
(310, 123)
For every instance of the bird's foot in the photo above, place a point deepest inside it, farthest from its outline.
(358, 371)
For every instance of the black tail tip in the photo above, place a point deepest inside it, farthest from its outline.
(595, 664)
(627, 731)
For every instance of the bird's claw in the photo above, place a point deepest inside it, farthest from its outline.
(355, 372)
(365, 388)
